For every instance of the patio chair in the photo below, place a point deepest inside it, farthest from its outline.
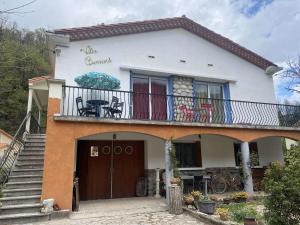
(206, 110)
(84, 111)
(188, 114)
(115, 107)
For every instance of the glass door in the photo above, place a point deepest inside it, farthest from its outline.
(140, 88)
(216, 95)
(149, 98)
(158, 99)
(201, 93)
(207, 102)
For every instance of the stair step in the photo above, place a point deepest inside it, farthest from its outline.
(36, 135)
(20, 200)
(33, 151)
(32, 165)
(34, 144)
(34, 148)
(23, 208)
(35, 154)
(25, 184)
(19, 172)
(35, 140)
(28, 159)
(32, 177)
(22, 218)
(22, 192)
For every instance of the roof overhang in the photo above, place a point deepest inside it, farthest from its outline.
(54, 41)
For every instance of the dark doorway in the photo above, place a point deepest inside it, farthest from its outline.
(104, 173)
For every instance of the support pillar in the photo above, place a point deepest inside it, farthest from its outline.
(248, 183)
(29, 107)
(39, 117)
(168, 171)
(157, 195)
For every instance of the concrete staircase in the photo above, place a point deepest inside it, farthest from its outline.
(22, 193)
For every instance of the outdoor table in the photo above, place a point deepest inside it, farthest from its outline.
(97, 103)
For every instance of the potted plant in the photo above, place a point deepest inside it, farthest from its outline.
(223, 213)
(196, 195)
(250, 220)
(189, 200)
(240, 196)
(227, 200)
(175, 181)
(206, 205)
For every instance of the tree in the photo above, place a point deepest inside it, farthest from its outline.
(292, 75)
(282, 182)
(23, 55)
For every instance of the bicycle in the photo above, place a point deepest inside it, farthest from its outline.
(224, 181)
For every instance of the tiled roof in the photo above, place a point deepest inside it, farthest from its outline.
(6, 134)
(102, 31)
(36, 79)
(3, 146)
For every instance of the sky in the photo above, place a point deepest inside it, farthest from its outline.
(271, 28)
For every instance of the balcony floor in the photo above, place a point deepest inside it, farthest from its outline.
(169, 123)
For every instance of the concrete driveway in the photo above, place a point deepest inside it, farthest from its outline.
(124, 211)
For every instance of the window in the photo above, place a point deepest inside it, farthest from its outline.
(209, 94)
(254, 158)
(209, 90)
(188, 154)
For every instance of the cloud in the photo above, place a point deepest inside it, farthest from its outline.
(269, 28)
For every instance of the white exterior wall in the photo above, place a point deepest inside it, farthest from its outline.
(216, 151)
(168, 47)
(269, 150)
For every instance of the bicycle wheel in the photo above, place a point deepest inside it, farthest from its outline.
(218, 184)
(236, 183)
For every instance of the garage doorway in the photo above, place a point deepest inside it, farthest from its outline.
(109, 168)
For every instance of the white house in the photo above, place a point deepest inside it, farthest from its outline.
(179, 82)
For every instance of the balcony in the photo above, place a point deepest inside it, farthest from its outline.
(98, 104)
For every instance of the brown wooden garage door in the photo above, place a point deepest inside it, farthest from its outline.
(111, 173)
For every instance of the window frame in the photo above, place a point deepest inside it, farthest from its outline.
(198, 160)
(208, 84)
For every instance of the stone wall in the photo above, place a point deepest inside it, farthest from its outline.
(151, 181)
(182, 86)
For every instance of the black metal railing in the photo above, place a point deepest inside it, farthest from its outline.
(8, 160)
(78, 101)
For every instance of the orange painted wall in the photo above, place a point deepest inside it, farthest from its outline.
(61, 138)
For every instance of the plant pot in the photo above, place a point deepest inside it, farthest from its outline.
(227, 200)
(249, 221)
(175, 181)
(224, 217)
(239, 200)
(207, 207)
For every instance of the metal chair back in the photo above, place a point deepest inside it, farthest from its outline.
(79, 105)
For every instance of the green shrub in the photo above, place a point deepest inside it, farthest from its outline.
(282, 182)
(238, 211)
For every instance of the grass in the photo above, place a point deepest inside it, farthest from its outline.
(238, 211)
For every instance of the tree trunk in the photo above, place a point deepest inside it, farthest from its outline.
(175, 206)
